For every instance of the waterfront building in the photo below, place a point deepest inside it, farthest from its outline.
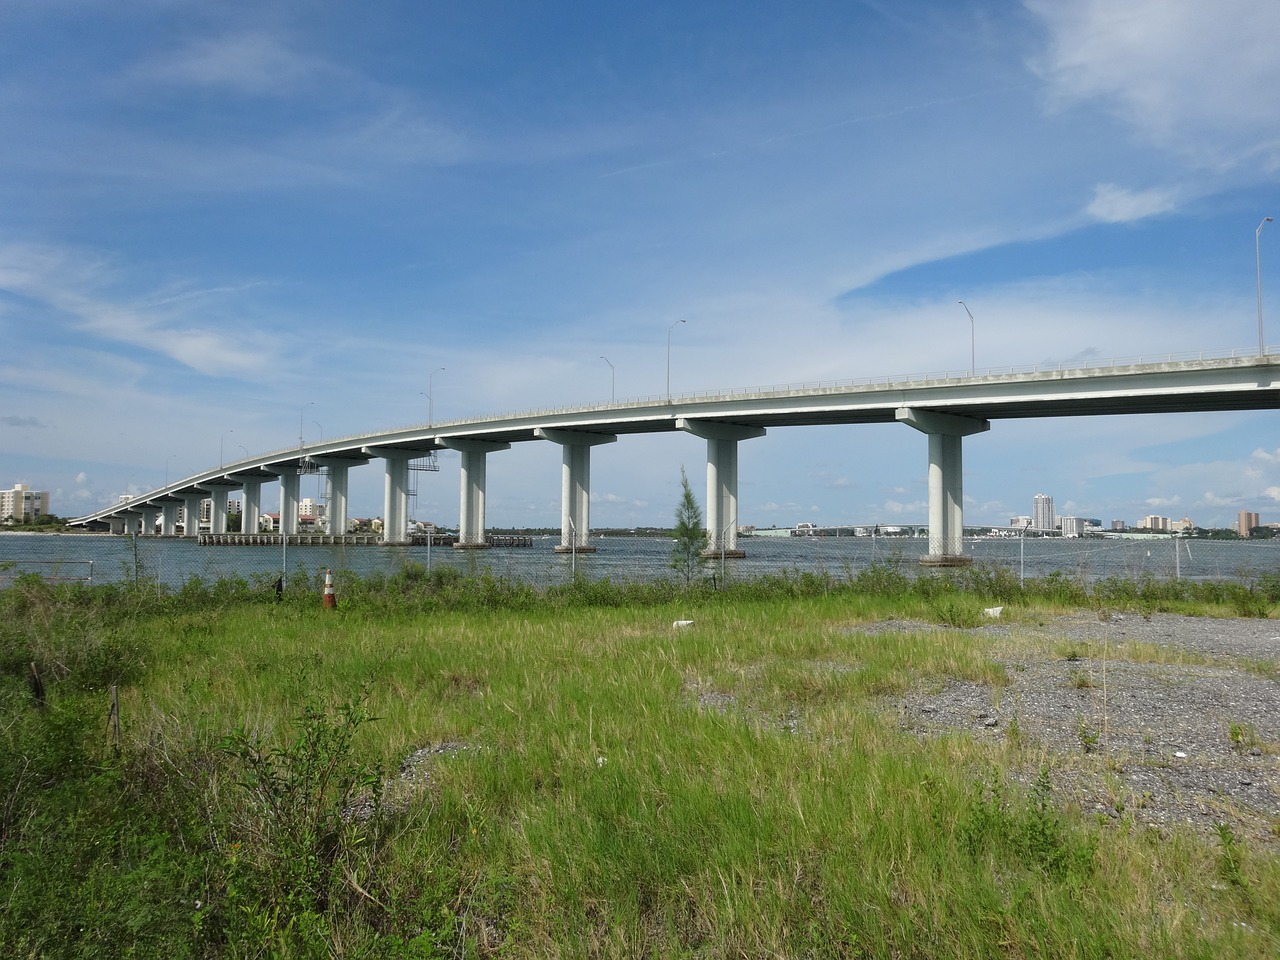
(23, 503)
(1042, 512)
(1156, 524)
(1073, 526)
(1119, 526)
(1246, 522)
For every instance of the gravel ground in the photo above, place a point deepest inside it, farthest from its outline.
(1194, 741)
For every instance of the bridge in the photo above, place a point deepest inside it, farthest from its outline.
(946, 408)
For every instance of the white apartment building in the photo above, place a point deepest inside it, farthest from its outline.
(1042, 516)
(23, 503)
(1073, 526)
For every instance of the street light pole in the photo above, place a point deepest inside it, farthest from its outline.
(1257, 252)
(669, 329)
(973, 351)
(301, 415)
(431, 397)
(613, 381)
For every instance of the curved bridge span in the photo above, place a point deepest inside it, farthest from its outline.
(946, 408)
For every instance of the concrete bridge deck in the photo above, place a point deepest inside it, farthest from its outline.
(946, 407)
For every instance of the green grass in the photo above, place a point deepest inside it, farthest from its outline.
(611, 787)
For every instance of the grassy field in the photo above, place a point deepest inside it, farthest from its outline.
(588, 781)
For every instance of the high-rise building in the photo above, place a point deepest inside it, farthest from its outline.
(23, 503)
(1119, 525)
(1042, 517)
(1246, 522)
(1156, 524)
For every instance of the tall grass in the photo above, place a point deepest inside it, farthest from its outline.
(596, 783)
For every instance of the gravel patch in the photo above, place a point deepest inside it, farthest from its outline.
(1163, 743)
(413, 779)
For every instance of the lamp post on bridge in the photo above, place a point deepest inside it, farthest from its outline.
(1257, 252)
(669, 329)
(301, 415)
(973, 351)
(431, 396)
(613, 381)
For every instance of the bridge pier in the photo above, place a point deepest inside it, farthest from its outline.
(169, 518)
(395, 500)
(250, 504)
(290, 486)
(946, 481)
(148, 514)
(722, 481)
(218, 509)
(471, 500)
(575, 485)
(337, 506)
(191, 514)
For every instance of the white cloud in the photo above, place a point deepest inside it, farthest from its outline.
(916, 508)
(1212, 499)
(1163, 501)
(1185, 75)
(252, 64)
(70, 284)
(1113, 204)
(1272, 493)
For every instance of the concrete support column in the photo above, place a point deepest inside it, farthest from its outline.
(337, 512)
(149, 515)
(169, 518)
(395, 501)
(722, 481)
(946, 481)
(119, 525)
(339, 469)
(290, 486)
(251, 506)
(472, 494)
(575, 486)
(191, 514)
(218, 515)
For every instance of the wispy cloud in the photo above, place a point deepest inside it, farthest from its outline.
(250, 64)
(1182, 74)
(70, 286)
(11, 421)
(1114, 204)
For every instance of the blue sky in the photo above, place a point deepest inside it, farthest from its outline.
(219, 220)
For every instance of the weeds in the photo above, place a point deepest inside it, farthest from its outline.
(298, 827)
(703, 833)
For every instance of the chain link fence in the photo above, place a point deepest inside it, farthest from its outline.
(174, 561)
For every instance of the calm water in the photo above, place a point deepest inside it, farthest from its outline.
(173, 561)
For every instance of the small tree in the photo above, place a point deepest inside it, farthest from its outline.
(690, 537)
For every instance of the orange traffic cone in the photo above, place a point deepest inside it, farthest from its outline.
(330, 601)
